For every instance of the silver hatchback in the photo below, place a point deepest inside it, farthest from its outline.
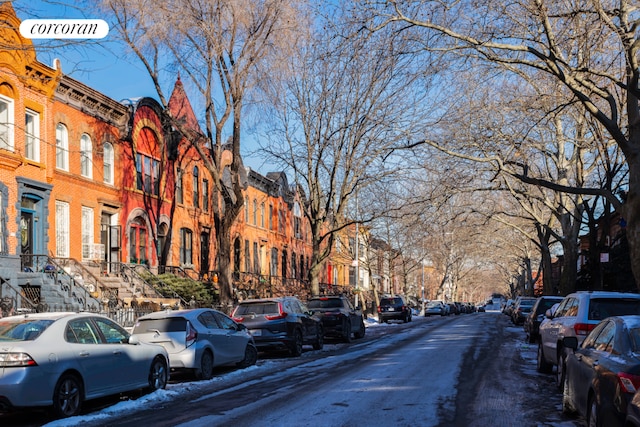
(198, 340)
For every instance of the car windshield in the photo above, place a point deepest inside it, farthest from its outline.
(433, 304)
(23, 329)
(268, 307)
(601, 308)
(527, 303)
(325, 303)
(168, 324)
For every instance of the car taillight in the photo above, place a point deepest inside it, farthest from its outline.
(238, 319)
(281, 314)
(16, 360)
(192, 335)
(379, 309)
(629, 383)
(583, 329)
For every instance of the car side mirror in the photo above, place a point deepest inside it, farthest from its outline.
(134, 340)
(241, 326)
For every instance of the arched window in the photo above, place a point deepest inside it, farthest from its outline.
(86, 156)
(62, 147)
(255, 212)
(108, 159)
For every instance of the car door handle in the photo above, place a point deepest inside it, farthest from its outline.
(117, 352)
(85, 354)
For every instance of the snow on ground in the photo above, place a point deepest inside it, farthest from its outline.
(174, 391)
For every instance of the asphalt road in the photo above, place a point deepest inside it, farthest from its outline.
(466, 370)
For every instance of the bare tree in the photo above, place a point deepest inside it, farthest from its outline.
(591, 48)
(349, 100)
(223, 47)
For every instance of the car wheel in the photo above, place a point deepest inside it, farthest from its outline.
(205, 370)
(361, 331)
(158, 375)
(67, 396)
(541, 364)
(346, 331)
(567, 400)
(296, 344)
(319, 342)
(560, 369)
(250, 357)
(593, 413)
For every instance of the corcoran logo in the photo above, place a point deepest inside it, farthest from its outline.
(64, 28)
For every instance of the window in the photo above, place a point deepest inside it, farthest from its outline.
(185, 246)
(262, 214)
(108, 159)
(270, 217)
(256, 258)
(32, 135)
(255, 212)
(86, 156)
(246, 209)
(205, 195)
(179, 194)
(6, 123)
(87, 232)
(62, 147)
(147, 174)
(196, 188)
(274, 262)
(247, 256)
(297, 231)
(62, 229)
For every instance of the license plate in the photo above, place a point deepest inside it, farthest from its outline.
(392, 309)
(256, 332)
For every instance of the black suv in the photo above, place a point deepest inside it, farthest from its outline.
(394, 308)
(280, 323)
(339, 317)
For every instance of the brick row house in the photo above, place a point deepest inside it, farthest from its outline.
(95, 194)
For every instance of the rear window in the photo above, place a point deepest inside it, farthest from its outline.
(526, 302)
(391, 301)
(22, 330)
(258, 308)
(325, 303)
(168, 324)
(602, 308)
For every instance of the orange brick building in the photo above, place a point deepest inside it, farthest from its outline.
(86, 178)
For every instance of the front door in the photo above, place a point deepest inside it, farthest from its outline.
(26, 237)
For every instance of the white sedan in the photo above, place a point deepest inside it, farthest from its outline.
(63, 359)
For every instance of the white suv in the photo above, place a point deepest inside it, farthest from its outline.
(577, 314)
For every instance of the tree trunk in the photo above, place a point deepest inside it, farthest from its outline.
(631, 214)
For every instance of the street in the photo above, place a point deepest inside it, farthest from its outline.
(466, 370)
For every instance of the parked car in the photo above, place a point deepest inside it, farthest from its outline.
(394, 308)
(339, 317)
(198, 340)
(64, 359)
(521, 309)
(633, 411)
(532, 322)
(508, 307)
(576, 316)
(602, 374)
(282, 323)
(435, 308)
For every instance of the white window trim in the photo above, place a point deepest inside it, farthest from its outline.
(36, 135)
(64, 146)
(10, 123)
(87, 232)
(86, 156)
(108, 158)
(62, 229)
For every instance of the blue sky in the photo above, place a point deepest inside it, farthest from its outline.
(107, 67)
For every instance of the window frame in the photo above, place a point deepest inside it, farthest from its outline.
(32, 138)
